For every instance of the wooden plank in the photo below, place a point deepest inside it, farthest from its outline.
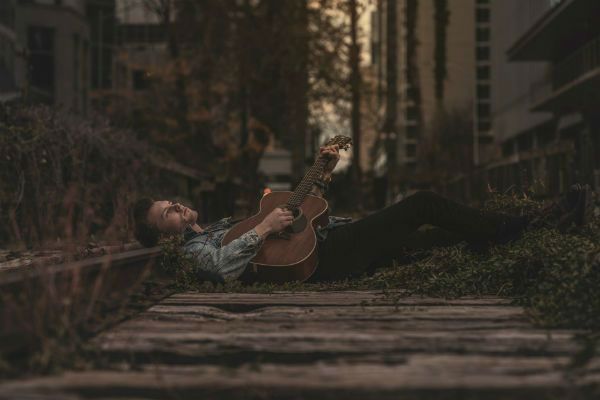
(420, 376)
(188, 334)
(354, 345)
(401, 317)
(246, 301)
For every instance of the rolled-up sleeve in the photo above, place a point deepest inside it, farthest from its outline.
(227, 262)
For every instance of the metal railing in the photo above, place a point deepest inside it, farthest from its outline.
(583, 60)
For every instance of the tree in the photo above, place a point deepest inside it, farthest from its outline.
(447, 150)
(229, 62)
(355, 87)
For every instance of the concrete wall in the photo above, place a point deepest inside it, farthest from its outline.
(460, 64)
(459, 84)
(515, 85)
(460, 58)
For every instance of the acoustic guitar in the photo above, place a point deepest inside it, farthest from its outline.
(289, 255)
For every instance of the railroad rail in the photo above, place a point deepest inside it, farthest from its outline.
(37, 298)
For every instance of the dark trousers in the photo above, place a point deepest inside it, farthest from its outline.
(376, 239)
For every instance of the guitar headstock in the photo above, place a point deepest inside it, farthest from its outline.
(343, 141)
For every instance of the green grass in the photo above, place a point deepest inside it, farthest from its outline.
(555, 276)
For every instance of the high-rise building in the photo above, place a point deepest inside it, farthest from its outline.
(546, 92)
(442, 66)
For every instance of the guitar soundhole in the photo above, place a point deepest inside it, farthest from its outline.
(298, 225)
(299, 222)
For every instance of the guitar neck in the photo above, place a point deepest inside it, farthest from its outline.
(306, 183)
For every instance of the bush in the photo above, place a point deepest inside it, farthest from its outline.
(63, 178)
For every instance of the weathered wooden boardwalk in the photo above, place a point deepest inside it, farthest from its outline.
(346, 345)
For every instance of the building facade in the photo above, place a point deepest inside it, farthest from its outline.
(545, 93)
(54, 68)
(443, 66)
(529, 70)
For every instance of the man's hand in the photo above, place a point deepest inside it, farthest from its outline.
(333, 154)
(276, 221)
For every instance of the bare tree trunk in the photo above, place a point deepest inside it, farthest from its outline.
(243, 76)
(389, 126)
(174, 53)
(298, 88)
(355, 85)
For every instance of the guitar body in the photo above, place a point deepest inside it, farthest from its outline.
(291, 255)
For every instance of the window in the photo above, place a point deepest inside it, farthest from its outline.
(7, 56)
(525, 142)
(412, 92)
(140, 80)
(411, 150)
(483, 111)
(508, 148)
(412, 132)
(482, 34)
(7, 13)
(483, 1)
(482, 53)
(482, 15)
(85, 73)
(76, 63)
(483, 91)
(3, 52)
(483, 73)
(41, 61)
(412, 113)
(142, 33)
(484, 126)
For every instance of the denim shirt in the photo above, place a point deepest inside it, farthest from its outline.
(218, 263)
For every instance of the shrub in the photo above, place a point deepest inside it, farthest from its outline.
(64, 178)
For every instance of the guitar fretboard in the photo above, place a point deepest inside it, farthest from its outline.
(306, 184)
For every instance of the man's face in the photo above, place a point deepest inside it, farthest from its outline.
(171, 217)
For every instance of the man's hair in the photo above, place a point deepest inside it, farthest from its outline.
(147, 234)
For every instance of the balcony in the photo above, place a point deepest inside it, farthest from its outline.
(574, 80)
(584, 60)
(558, 30)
